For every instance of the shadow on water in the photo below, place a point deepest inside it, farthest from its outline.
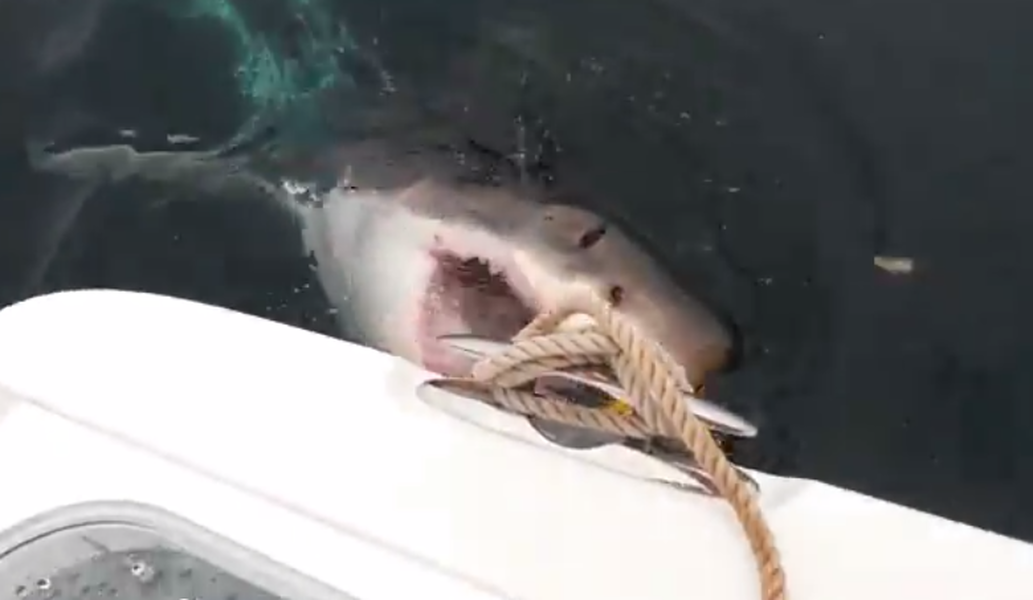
(767, 151)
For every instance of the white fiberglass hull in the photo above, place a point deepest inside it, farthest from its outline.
(319, 455)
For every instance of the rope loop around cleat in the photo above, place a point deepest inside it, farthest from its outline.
(655, 385)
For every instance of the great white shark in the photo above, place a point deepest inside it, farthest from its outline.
(415, 239)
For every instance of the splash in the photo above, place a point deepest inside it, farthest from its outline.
(276, 73)
(290, 54)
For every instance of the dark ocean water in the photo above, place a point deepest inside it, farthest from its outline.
(768, 151)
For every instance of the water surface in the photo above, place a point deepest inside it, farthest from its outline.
(768, 151)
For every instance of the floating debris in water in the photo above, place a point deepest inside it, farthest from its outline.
(181, 138)
(896, 265)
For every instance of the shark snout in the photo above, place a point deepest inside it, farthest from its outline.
(570, 249)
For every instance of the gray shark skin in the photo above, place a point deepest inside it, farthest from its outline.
(414, 240)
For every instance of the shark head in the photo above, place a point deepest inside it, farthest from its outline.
(407, 251)
(441, 257)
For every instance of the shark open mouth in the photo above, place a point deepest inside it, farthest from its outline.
(474, 295)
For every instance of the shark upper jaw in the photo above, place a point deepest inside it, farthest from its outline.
(474, 286)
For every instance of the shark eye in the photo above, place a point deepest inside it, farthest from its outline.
(616, 295)
(591, 237)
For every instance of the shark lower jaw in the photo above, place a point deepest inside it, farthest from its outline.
(469, 293)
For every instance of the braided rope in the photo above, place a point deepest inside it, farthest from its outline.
(656, 386)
